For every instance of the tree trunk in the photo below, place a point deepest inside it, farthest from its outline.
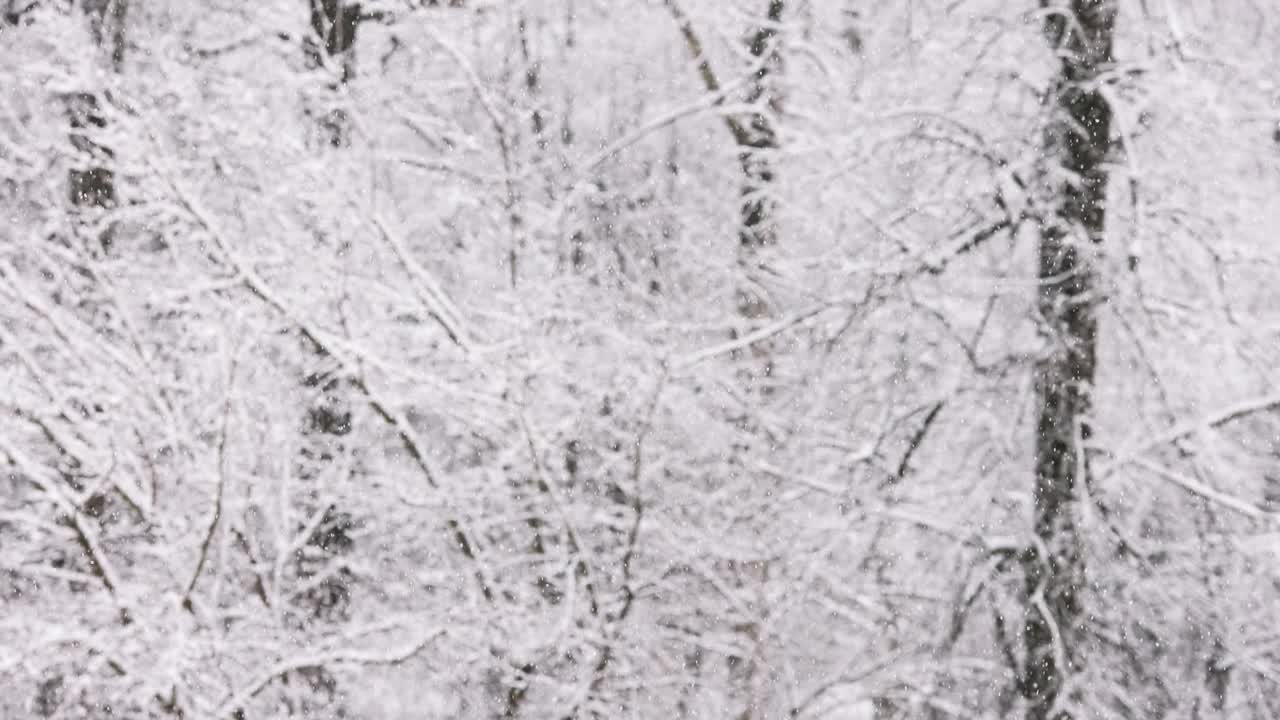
(1077, 140)
(91, 181)
(755, 140)
(758, 138)
(333, 26)
(106, 22)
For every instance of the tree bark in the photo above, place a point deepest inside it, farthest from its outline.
(92, 183)
(333, 26)
(755, 138)
(106, 22)
(758, 139)
(1076, 145)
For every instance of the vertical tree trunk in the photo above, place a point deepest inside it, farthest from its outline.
(1076, 143)
(532, 83)
(759, 132)
(91, 182)
(758, 138)
(570, 46)
(106, 22)
(333, 25)
(1217, 679)
(755, 140)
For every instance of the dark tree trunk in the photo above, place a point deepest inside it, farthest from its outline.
(91, 181)
(1077, 140)
(759, 134)
(1217, 678)
(333, 35)
(532, 84)
(106, 22)
(758, 139)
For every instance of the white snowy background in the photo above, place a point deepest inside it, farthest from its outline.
(639, 359)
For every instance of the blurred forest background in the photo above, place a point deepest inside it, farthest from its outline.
(732, 359)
